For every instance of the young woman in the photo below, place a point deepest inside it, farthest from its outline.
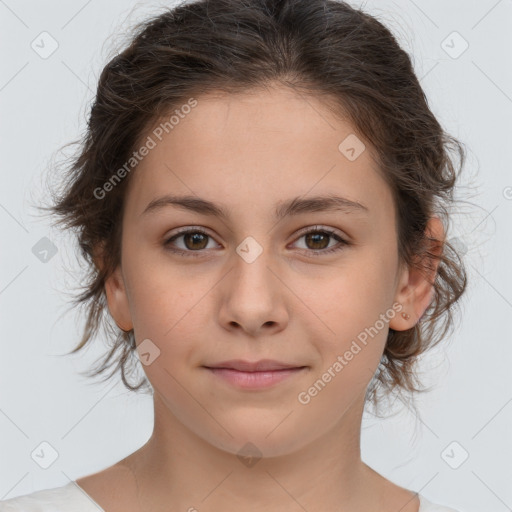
(262, 196)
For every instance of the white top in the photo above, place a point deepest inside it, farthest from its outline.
(72, 498)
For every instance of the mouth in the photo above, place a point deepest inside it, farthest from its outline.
(257, 366)
(254, 375)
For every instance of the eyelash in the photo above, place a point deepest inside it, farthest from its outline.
(314, 253)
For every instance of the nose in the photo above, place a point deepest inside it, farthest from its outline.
(253, 297)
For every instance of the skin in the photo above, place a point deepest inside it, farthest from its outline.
(248, 152)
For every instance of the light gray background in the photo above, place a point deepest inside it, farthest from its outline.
(44, 399)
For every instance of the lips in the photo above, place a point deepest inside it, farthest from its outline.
(254, 376)
(256, 366)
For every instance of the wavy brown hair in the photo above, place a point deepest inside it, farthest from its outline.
(325, 48)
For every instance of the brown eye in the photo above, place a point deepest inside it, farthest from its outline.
(195, 240)
(317, 240)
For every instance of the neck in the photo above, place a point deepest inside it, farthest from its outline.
(180, 468)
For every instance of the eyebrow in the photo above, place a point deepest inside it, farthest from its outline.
(294, 206)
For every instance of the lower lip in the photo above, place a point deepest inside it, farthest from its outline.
(254, 380)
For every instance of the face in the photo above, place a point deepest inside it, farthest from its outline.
(313, 287)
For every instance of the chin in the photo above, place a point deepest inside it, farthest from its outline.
(260, 439)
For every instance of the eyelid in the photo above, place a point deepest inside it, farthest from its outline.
(332, 232)
(187, 229)
(343, 240)
(318, 227)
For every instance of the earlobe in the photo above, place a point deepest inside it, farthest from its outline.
(415, 291)
(115, 292)
(117, 300)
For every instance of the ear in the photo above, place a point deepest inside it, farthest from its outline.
(414, 290)
(115, 291)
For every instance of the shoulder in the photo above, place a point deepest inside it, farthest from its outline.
(429, 506)
(67, 498)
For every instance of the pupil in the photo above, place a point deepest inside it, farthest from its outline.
(315, 237)
(195, 237)
(312, 238)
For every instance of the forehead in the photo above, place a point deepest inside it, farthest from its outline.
(259, 148)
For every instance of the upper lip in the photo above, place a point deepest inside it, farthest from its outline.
(248, 366)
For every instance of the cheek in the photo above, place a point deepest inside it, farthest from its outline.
(160, 293)
(356, 306)
(166, 310)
